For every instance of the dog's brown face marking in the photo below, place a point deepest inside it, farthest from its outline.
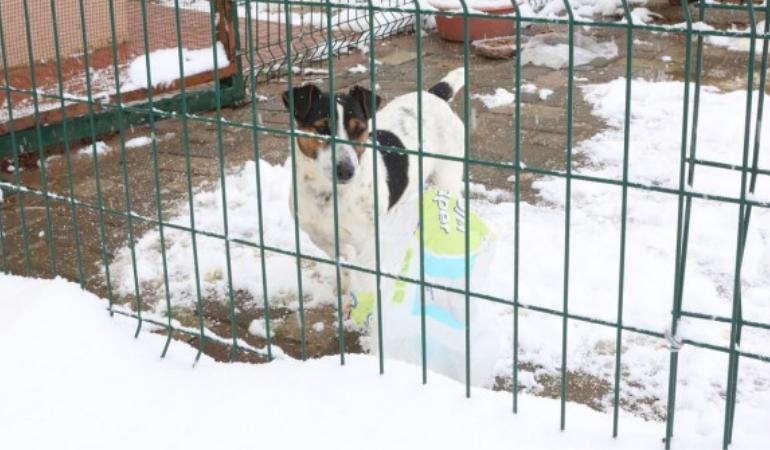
(312, 112)
(310, 146)
(358, 131)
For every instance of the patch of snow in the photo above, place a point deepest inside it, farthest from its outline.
(501, 97)
(491, 195)
(164, 66)
(242, 208)
(666, 58)
(141, 141)
(318, 327)
(358, 68)
(738, 44)
(476, 5)
(100, 355)
(545, 93)
(101, 149)
(642, 15)
(589, 8)
(314, 71)
(552, 50)
(257, 328)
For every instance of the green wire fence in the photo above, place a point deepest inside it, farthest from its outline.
(266, 39)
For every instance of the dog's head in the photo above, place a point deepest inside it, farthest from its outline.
(312, 113)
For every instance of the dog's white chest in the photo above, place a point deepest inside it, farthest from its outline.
(355, 216)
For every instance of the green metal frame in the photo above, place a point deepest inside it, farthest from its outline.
(116, 118)
(112, 118)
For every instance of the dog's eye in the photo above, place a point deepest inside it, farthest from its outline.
(356, 128)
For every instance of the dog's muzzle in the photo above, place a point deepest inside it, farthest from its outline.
(345, 171)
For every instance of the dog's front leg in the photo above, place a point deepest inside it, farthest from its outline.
(348, 253)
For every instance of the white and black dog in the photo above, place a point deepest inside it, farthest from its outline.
(397, 127)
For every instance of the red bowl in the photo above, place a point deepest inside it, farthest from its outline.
(451, 28)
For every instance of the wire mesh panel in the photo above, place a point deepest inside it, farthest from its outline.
(599, 210)
(310, 22)
(50, 49)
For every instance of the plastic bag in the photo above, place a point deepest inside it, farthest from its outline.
(445, 311)
(552, 50)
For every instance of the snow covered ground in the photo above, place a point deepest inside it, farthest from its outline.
(74, 378)
(654, 160)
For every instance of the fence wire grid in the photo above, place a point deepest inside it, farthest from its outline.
(276, 39)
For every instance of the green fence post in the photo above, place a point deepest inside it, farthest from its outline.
(223, 183)
(184, 111)
(293, 153)
(257, 158)
(421, 197)
(467, 177)
(3, 250)
(15, 148)
(681, 255)
(375, 149)
(67, 147)
(155, 171)
(735, 326)
(567, 208)
(39, 140)
(623, 214)
(95, 156)
(517, 208)
(335, 199)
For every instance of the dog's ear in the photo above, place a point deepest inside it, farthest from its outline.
(364, 97)
(304, 98)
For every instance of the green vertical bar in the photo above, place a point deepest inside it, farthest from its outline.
(421, 193)
(623, 215)
(95, 157)
(517, 212)
(335, 199)
(293, 148)
(375, 150)
(567, 211)
(213, 15)
(692, 155)
(681, 255)
(67, 147)
(3, 250)
(39, 138)
(257, 159)
(156, 175)
(467, 175)
(685, 232)
(124, 163)
(735, 326)
(190, 194)
(14, 147)
(752, 187)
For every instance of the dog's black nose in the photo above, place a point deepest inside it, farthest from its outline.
(345, 172)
